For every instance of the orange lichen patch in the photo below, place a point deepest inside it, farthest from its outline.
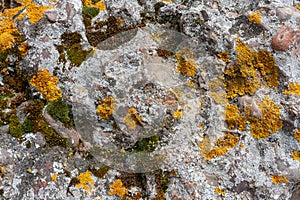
(255, 17)
(132, 119)
(186, 67)
(23, 48)
(99, 5)
(217, 91)
(268, 123)
(279, 179)
(168, 1)
(221, 146)
(54, 177)
(224, 56)
(107, 107)
(296, 155)
(8, 31)
(297, 6)
(220, 191)
(234, 118)
(85, 181)
(190, 83)
(251, 70)
(294, 89)
(297, 134)
(46, 85)
(117, 188)
(35, 12)
(177, 114)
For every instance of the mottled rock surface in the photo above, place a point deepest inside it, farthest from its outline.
(178, 99)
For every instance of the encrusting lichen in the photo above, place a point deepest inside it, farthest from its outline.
(224, 56)
(85, 181)
(297, 134)
(46, 85)
(296, 155)
(268, 123)
(251, 70)
(279, 179)
(177, 114)
(9, 34)
(294, 89)
(107, 107)
(234, 118)
(261, 127)
(255, 17)
(186, 67)
(217, 91)
(132, 119)
(220, 191)
(221, 146)
(117, 188)
(99, 4)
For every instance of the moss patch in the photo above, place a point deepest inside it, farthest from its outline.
(34, 113)
(90, 11)
(59, 110)
(71, 49)
(15, 128)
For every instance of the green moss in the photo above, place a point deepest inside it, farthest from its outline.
(99, 172)
(59, 110)
(34, 114)
(68, 39)
(146, 144)
(162, 183)
(27, 126)
(15, 128)
(76, 54)
(90, 11)
(72, 49)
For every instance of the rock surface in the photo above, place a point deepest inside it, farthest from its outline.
(145, 99)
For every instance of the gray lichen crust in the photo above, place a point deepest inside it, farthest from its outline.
(158, 99)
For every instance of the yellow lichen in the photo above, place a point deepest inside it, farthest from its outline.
(255, 17)
(279, 179)
(117, 188)
(268, 123)
(296, 155)
(23, 48)
(220, 191)
(224, 56)
(217, 91)
(46, 85)
(221, 146)
(297, 6)
(251, 70)
(99, 5)
(234, 118)
(8, 31)
(35, 12)
(168, 1)
(297, 134)
(190, 83)
(177, 114)
(186, 67)
(107, 107)
(132, 119)
(54, 177)
(85, 181)
(294, 89)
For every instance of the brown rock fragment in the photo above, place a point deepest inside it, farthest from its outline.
(285, 37)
